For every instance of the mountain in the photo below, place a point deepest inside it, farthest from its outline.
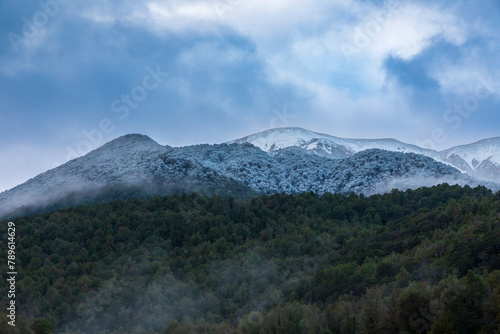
(480, 160)
(281, 160)
(132, 166)
(294, 170)
(329, 146)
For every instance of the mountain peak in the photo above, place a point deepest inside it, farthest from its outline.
(326, 145)
(132, 138)
(297, 131)
(133, 141)
(481, 158)
(299, 160)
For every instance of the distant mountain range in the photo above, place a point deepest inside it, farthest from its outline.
(290, 160)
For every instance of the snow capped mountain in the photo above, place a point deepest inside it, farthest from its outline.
(480, 159)
(129, 167)
(326, 145)
(281, 160)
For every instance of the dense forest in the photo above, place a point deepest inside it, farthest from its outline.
(416, 261)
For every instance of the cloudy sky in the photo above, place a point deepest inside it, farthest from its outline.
(76, 74)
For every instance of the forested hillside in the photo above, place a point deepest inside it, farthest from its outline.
(419, 261)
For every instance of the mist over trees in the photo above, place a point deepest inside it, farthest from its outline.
(134, 166)
(415, 261)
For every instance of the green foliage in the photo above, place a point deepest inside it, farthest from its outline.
(416, 261)
(20, 325)
(293, 319)
(42, 326)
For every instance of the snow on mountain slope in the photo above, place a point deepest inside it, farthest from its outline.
(121, 161)
(129, 167)
(293, 170)
(135, 166)
(326, 145)
(481, 158)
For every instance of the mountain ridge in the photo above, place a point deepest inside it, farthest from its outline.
(135, 165)
(308, 138)
(461, 157)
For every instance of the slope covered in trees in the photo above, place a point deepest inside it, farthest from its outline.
(134, 166)
(421, 261)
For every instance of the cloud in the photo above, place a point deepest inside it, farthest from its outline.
(232, 63)
(414, 28)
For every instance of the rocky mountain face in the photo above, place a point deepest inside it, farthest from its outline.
(480, 159)
(282, 160)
